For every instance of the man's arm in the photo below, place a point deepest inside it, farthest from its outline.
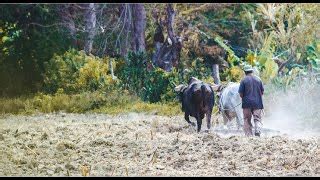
(241, 89)
(262, 88)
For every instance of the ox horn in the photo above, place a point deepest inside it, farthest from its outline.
(179, 87)
(215, 87)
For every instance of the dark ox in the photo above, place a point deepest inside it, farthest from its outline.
(197, 100)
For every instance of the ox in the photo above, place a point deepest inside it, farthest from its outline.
(229, 103)
(197, 100)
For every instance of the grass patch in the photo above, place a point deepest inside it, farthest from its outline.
(164, 109)
(100, 102)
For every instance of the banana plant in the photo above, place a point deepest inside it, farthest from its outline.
(313, 55)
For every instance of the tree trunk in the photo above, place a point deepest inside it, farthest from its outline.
(170, 20)
(125, 9)
(90, 20)
(111, 69)
(66, 13)
(139, 25)
(158, 42)
(167, 54)
(176, 48)
(215, 73)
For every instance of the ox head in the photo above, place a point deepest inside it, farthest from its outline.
(193, 80)
(180, 89)
(218, 88)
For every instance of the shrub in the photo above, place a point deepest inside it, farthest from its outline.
(270, 71)
(313, 55)
(235, 74)
(152, 84)
(95, 75)
(134, 72)
(168, 80)
(74, 71)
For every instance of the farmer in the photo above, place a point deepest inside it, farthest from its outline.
(251, 91)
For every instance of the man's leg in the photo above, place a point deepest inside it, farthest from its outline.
(257, 121)
(247, 122)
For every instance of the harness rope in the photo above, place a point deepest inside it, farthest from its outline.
(221, 109)
(232, 107)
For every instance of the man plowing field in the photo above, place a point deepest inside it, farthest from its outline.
(251, 91)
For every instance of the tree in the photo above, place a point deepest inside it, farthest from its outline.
(167, 54)
(280, 32)
(33, 36)
(90, 21)
(67, 13)
(139, 26)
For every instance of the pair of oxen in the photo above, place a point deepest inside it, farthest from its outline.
(197, 98)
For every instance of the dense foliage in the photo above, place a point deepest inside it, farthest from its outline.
(39, 52)
(75, 72)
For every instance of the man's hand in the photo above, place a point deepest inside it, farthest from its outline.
(241, 95)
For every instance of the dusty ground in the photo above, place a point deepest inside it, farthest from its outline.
(144, 145)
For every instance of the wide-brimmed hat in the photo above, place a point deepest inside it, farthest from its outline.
(247, 68)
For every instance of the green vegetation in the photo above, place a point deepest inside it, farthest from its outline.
(44, 66)
(111, 103)
(75, 72)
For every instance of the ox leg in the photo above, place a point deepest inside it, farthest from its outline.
(225, 119)
(186, 117)
(208, 116)
(239, 118)
(199, 122)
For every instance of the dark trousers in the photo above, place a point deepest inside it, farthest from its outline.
(247, 114)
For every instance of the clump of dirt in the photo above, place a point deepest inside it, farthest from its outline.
(61, 144)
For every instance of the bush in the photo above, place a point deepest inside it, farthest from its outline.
(133, 74)
(161, 85)
(156, 84)
(152, 84)
(198, 69)
(313, 55)
(235, 74)
(74, 71)
(95, 75)
(270, 71)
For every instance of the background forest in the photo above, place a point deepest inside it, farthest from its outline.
(129, 57)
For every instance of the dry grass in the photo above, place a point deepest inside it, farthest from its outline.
(123, 145)
(113, 103)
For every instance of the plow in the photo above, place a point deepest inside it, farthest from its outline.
(235, 131)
